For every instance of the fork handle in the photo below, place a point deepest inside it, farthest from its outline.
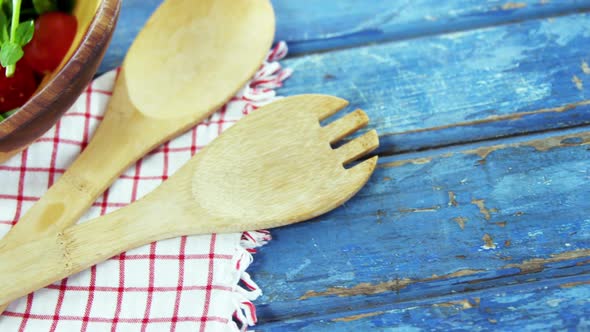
(164, 213)
(36, 264)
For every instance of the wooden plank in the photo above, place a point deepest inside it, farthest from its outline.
(454, 221)
(468, 86)
(559, 304)
(311, 25)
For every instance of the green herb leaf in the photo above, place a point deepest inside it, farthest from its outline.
(7, 6)
(12, 51)
(24, 32)
(5, 115)
(3, 27)
(44, 6)
(11, 112)
(10, 54)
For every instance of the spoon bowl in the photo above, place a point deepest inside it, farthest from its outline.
(180, 66)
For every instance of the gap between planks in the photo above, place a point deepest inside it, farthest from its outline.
(426, 154)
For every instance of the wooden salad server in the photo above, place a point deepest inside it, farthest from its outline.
(190, 58)
(272, 168)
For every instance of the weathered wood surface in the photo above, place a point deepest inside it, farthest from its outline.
(556, 304)
(467, 86)
(309, 25)
(482, 219)
(478, 217)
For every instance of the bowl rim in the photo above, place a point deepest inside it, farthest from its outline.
(106, 16)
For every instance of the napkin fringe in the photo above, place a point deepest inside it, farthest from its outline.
(246, 290)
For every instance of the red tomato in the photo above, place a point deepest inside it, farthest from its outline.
(16, 90)
(54, 34)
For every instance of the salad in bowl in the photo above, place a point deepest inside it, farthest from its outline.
(35, 36)
(50, 50)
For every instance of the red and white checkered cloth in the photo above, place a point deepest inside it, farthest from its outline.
(182, 284)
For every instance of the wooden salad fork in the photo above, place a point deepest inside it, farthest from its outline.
(274, 167)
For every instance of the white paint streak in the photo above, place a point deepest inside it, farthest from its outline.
(535, 233)
(500, 52)
(378, 58)
(312, 60)
(489, 247)
(564, 33)
(578, 82)
(554, 302)
(359, 91)
(375, 22)
(293, 273)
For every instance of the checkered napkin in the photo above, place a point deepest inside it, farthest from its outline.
(193, 283)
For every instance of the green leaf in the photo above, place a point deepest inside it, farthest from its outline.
(5, 115)
(24, 32)
(44, 6)
(3, 28)
(10, 54)
(7, 6)
(11, 112)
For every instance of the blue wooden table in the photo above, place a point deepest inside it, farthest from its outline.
(478, 216)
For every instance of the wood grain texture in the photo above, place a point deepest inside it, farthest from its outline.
(310, 26)
(276, 167)
(461, 87)
(439, 225)
(555, 304)
(97, 21)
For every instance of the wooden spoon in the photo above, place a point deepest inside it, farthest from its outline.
(190, 58)
(275, 167)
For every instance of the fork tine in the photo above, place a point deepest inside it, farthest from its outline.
(327, 105)
(358, 147)
(365, 168)
(346, 125)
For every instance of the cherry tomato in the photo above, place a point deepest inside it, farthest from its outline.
(16, 90)
(54, 34)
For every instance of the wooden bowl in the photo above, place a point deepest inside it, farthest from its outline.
(59, 90)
